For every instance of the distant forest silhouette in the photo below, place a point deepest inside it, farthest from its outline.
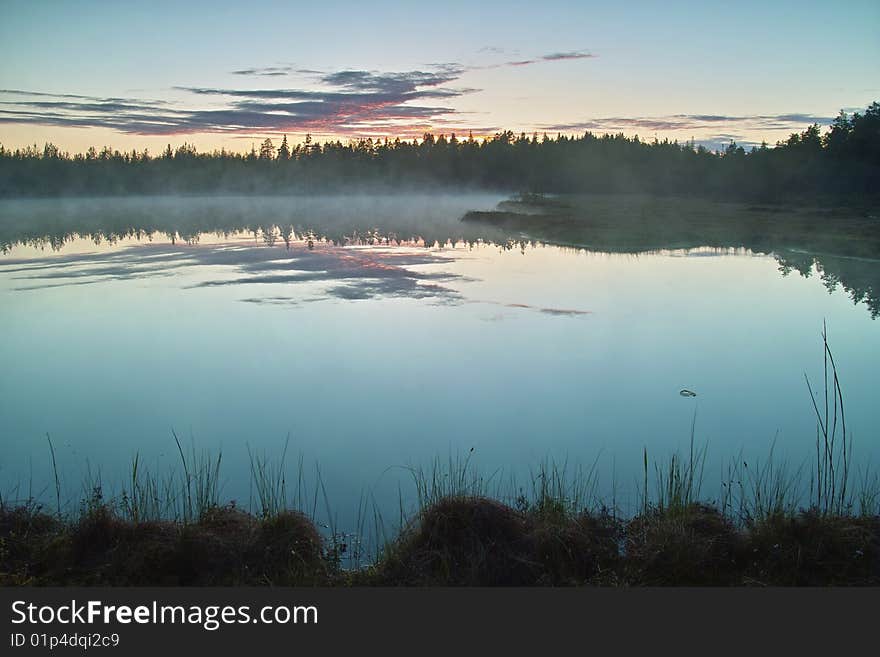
(842, 163)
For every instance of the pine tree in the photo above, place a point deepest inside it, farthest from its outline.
(267, 150)
(284, 150)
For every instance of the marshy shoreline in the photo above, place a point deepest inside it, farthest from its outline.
(455, 541)
(768, 527)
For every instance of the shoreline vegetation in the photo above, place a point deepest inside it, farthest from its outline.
(841, 166)
(771, 525)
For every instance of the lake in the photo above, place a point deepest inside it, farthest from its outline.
(406, 337)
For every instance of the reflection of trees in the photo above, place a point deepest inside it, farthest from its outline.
(844, 257)
(843, 250)
(270, 234)
(802, 263)
(287, 230)
(859, 277)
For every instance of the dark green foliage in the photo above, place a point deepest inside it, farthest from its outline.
(103, 549)
(289, 548)
(224, 547)
(476, 541)
(691, 546)
(456, 541)
(214, 549)
(844, 161)
(25, 533)
(574, 550)
(462, 541)
(814, 549)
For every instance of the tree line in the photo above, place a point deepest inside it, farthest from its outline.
(842, 162)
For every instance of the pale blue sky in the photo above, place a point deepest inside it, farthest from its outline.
(710, 70)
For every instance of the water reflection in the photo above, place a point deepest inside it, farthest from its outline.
(351, 273)
(47, 223)
(241, 335)
(860, 277)
(841, 252)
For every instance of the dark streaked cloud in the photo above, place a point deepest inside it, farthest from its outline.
(21, 92)
(265, 73)
(274, 71)
(406, 82)
(268, 70)
(347, 102)
(78, 99)
(550, 57)
(573, 54)
(804, 118)
(696, 122)
(342, 102)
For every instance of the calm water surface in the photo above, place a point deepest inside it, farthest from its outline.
(378, 357)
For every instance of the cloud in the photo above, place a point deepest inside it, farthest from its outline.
(20, 92)
(256, 72)
(733, 126)
(267, 70)
(344, 102)
(573, 54)
(400, 83)
(274, 71)
(551, 57)
(351, 102)
(356, 102)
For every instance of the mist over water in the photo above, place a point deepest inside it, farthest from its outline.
(381, 332)
(52, 223)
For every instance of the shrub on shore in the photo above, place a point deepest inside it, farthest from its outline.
(455, 541)
(226, 546)
(814, 549)
(690, 546)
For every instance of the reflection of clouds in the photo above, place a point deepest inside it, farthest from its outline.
(350, 273)
(562, 312)
(556, 312)
(391, 287)
(347, 273)
(85, 269)
(100, 263)
(273, 301)
(360, 273)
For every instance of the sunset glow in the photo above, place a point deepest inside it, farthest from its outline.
(686, 72)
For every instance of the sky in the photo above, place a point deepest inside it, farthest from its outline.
(135, 75)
